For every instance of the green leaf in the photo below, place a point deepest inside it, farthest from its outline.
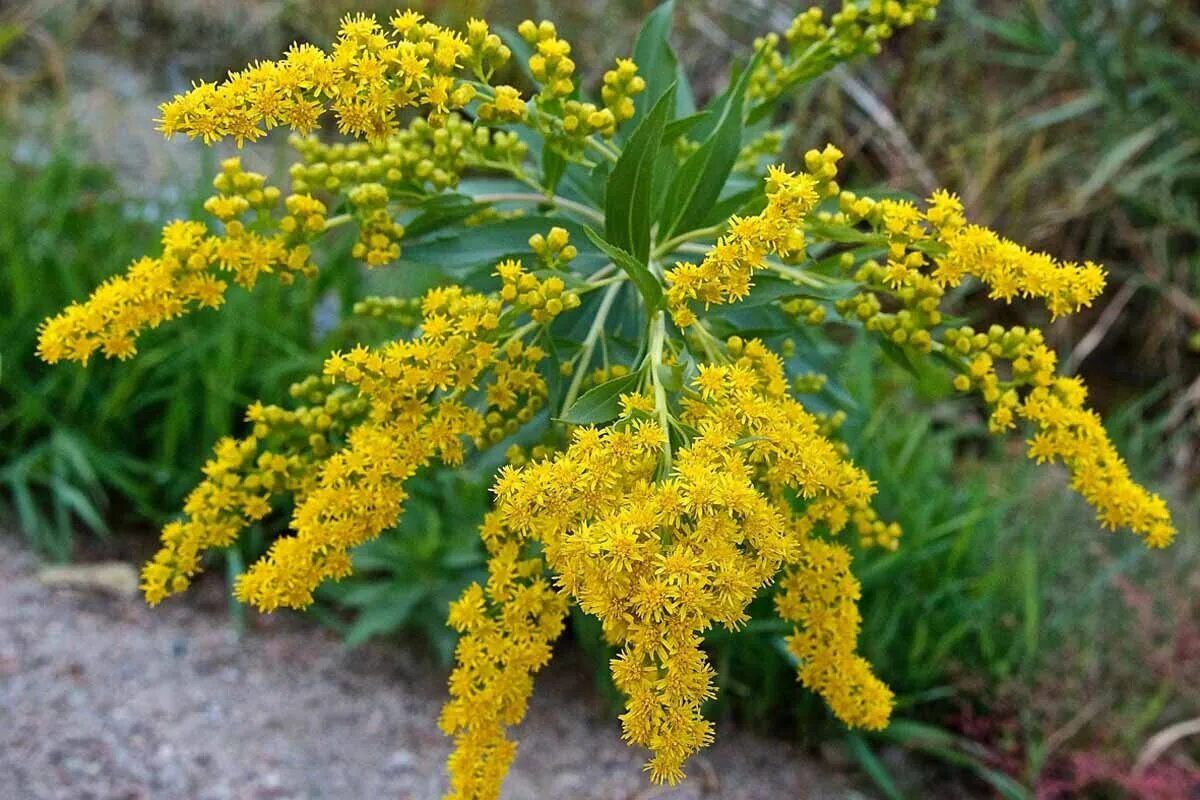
(658, 65)
(1116, 159)
(441, 211)
(71, 499)
(647, 284)
(601, 403)
(871, 765)
(768, 289)
(953, 749)
(588, 184)
(553, 166)
(394, 610)
(899, 356)
(678, 127)
(670, 376)
(627, 196)
(462, 250)
(697, 185)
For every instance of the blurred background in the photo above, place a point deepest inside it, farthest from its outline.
(1034, 654)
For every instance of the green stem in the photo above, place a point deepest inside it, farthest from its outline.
(674, 243)
(554, 199)
(513, 170)
(602, 148)
(519, 332)
(337, 221)
(710, 343)
(798, 275)
(602, 273)
(589, 344)
(658, 335)
(591, 286)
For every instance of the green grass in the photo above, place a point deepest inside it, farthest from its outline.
(82, 447)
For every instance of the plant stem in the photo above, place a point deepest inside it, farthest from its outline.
(589, 344)
(602, 272)
(530, 197)
(672, 244)
(602, 148)
(511, 169)
(710, 343)
(341, 219)
(658, 335)
(798, 275)
(519, 332)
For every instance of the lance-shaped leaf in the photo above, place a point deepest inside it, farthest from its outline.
(647, 285)
(601, 403)
(697, 184)
(628, 194)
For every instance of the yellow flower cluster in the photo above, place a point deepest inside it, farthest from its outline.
(505, 106)
(726, 271)
(660, 559)
(815, 45)
(821, 595)
(517, 392)
(281, 456)
(554, 250)
(377, 177)
(379, 234)
(852, 501)
(1070, 433)
(506, 632)
(418, 153)
(416, 414)
(713, 482)
(621, 84)
(369, 75)
(603, 524)
(187, 274)
(551, 66)
(958, 250)
(544, 299)
(1066, 430)
(749, 399)
(935, 249)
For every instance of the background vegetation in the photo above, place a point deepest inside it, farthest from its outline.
(1031, 651)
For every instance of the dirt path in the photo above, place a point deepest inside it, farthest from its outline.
(103, 698)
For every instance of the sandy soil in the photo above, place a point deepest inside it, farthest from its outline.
(101, 697)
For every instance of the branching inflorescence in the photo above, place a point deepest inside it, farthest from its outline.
(674, 476)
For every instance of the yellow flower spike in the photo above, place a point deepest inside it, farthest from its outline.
(659, 560)
(1065, 430)
(724, 276)
(365, 79)
(281, 457)
(821, 595)
(191, 272)
(507, 631)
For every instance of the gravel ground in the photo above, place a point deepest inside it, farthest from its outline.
(100, 697)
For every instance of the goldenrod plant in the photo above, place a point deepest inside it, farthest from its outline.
(617, 290)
